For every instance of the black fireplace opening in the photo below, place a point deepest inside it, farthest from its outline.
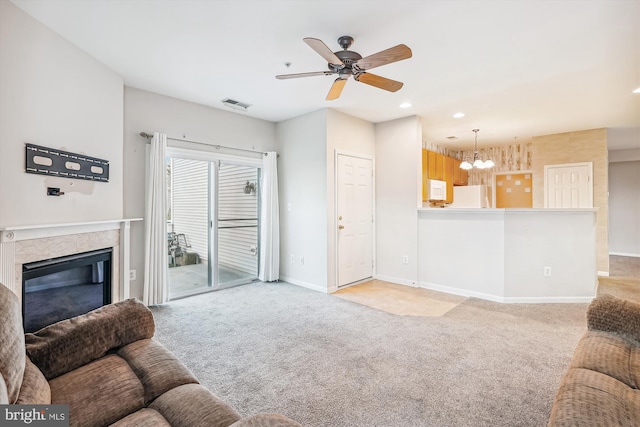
(60, 288)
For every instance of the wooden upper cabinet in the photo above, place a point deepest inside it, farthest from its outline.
(436, 165)
(425, 175)
(444, 168)
(460, 176)
(448, 177)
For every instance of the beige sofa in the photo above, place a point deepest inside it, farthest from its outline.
(110, 371)
(600, 387)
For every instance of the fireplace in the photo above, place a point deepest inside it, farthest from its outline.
(63, 287)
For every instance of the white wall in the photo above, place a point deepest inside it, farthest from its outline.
(55, 95)
(398, 177)
(302, 185)
(563, 241)
(150, 112)
(624, 208)
(350, 135)
(462, 251)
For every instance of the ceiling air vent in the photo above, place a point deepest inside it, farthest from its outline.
(236, 105)
(452, 137)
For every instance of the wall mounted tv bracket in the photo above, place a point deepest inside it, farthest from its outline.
(49, 161)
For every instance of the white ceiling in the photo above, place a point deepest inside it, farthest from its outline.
(516, 68)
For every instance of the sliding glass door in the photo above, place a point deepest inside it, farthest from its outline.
(213, 224)
(237, 211)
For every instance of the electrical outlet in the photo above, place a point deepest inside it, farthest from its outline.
(132, 275)
(301, 260)
(293, 258)
(405, 259)
(547, 272)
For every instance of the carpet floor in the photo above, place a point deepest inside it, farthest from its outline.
(326, 361)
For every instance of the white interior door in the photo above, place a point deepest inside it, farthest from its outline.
(355, 218)
(569, 185)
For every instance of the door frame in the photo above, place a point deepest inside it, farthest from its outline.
(335, 214)
(564, 165)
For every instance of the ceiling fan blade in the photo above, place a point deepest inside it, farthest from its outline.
(319, 46)
(379, 82)
(393, 54)
(295, 76)
(336, 89)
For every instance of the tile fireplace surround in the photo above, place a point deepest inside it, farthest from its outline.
(23, 244)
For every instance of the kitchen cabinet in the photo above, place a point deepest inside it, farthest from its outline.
(460, 176)
(443, 168)
(436, 165)
(425, 175)
(448, 177)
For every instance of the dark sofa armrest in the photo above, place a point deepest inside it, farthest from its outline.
(71, 343)
(616, 315)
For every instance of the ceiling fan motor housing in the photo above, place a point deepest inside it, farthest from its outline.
(348, 58)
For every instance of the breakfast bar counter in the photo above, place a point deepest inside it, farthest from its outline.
(509, 255)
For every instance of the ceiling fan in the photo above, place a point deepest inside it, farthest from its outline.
(346, 63)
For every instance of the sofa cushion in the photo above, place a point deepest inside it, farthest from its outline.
(616, 315)
(589, 398)
(192, 405)
(609, 354)
(12, 355)
(143, 418)
(99, 393)
(35, 389)
(71, 343)
(156, 367)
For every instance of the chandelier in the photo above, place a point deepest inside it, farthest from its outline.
(478, 163)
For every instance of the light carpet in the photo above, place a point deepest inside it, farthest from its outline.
(325, 361)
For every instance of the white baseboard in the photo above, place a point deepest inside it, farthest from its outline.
(603, 273)
(397, 280)
(307, 285)
(506, 300)
(461, 292)
(547, 300)
(624, 254)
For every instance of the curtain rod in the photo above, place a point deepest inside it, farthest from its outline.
(216, 146)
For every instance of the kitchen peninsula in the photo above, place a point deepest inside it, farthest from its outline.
(509, 255)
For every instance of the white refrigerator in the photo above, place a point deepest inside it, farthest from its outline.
(471, 196)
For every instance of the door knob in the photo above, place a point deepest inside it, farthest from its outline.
(340, 227)
(340, 217)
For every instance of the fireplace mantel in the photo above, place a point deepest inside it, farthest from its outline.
(38, 231)
(21, 244)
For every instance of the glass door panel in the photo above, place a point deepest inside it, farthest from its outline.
(188, 239)
(237, 232)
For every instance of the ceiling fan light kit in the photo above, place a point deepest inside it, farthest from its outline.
(346, 63)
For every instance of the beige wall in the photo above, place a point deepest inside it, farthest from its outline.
(576, 147)
(151, 112)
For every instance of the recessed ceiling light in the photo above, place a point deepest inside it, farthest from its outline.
(458, 115)
(405, 105)
(637, 90)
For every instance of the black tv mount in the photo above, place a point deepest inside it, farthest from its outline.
(53, 162)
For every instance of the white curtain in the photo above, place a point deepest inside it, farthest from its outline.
(156, 288)
(269, 220)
